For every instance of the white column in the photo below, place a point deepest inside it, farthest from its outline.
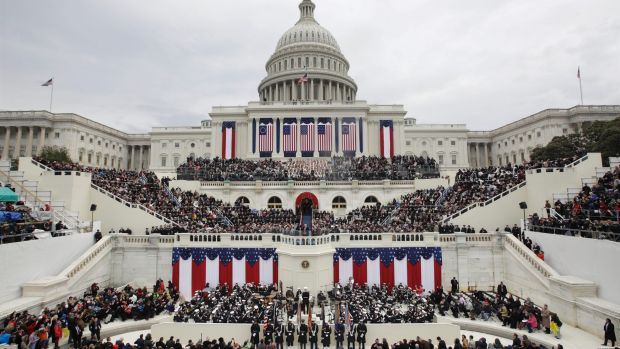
(7, 137)
(18, 143)
(321, 92)
(29, 144)
(339, 137)
(41, 139)
(140, 166)
(357, 137)
(293, 90)
(312, 89)
(329, 92)
(131, 165)
(486, 155)
(280, 151)
(277, 94)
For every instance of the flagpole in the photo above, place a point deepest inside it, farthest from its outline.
(580, 91)
(52, 96)
(580, 88)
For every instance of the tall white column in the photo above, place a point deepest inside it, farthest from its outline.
(339, 137)
(18, 143)
(312, 89)
(7, 137)
(41, 139)
(277, 94)
(140, 166)
(316, 138)
(321, 92)
(486, 155)
(29, 144)
(329, 91)
(132, 165)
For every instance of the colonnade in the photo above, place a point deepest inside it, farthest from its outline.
(13, 139)
(139, 157)
(479, 154)
(313, 90)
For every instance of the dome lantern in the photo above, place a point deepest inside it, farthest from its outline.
(306, 9)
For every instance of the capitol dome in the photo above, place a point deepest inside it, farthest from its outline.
(307, 65)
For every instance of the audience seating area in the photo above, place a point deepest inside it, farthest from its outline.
(332, 169)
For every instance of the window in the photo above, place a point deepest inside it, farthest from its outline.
(176, 161)
(279, 66)
(520, 139)
(164, 145)
(307, 62)
(314, 62)
(90, 141)
(514, 158)
(106, 145)
(90, 158)
(242, 201)
(564, 131)
(407, 142)
(513, 141)
(299, 62)
(113, 146)
(453, 159)
(98, 142)
(322, 63)
(105, 161)
(452, 143)
(538, 134)
(163, 161)
(208, 144)
(192, 145)
(371, 200)
(176, 145)
(57, 135)
(439, 142)
(285, 65)
(339, 202)
(505, 143)
(529, 137)
(274, 202)
(424, 143)
(499, 145)
(440, 158)
(120, 148)
(98, 159)
(80, 157)
(82, 137)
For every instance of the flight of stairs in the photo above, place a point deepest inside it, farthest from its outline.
(34, 197)
(589, 181)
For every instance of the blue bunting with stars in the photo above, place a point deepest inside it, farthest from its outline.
(226, 255)
(388, 254)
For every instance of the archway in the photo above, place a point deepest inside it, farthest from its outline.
(307, 195)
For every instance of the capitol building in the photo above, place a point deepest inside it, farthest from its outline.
(307, 89)
(459, 235)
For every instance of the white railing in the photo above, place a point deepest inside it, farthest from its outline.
(542, 269)
(134, 205)
(486, 202)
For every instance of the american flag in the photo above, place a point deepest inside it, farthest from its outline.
(265, 137)
(324, 131)
(50, 82)
(307, 137)
(289, 138)
(303, 79)
(348, 137)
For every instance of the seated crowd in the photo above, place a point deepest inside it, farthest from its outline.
(422, 210)
(334, 169)
(594, 212)
(75, 315)
(19, 222)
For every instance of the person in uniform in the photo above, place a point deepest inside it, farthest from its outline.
(254, 334)
(268, 333)
(302, 335)
(351, 337)
(314, 335)
(290, 335)
(361, 334)
(305, 300)
(279, 336)
(339, 332)
(326, 335)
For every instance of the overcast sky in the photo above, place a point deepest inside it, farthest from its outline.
(143, 63)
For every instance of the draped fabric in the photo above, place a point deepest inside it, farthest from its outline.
(193, 268)
(386, 138)
(411, 266)
(228, 140)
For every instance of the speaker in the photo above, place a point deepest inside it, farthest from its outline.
(523, 205)
(93, 207)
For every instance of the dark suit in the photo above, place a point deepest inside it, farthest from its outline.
(254, 334)
(610, 333)
(361, 335)
(302, 337)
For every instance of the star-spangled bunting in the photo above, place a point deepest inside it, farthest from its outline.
(388, 254)
(226, 255)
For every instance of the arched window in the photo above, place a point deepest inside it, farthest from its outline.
(242, 201)
(371, 200)
(339, 202)
(274, 202)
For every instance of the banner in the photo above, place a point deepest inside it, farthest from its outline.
(386, 138)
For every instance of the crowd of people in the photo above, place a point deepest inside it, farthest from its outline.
(594, 212)
(19, 222)
(332, 169)
(422, 210)
(76, 315)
